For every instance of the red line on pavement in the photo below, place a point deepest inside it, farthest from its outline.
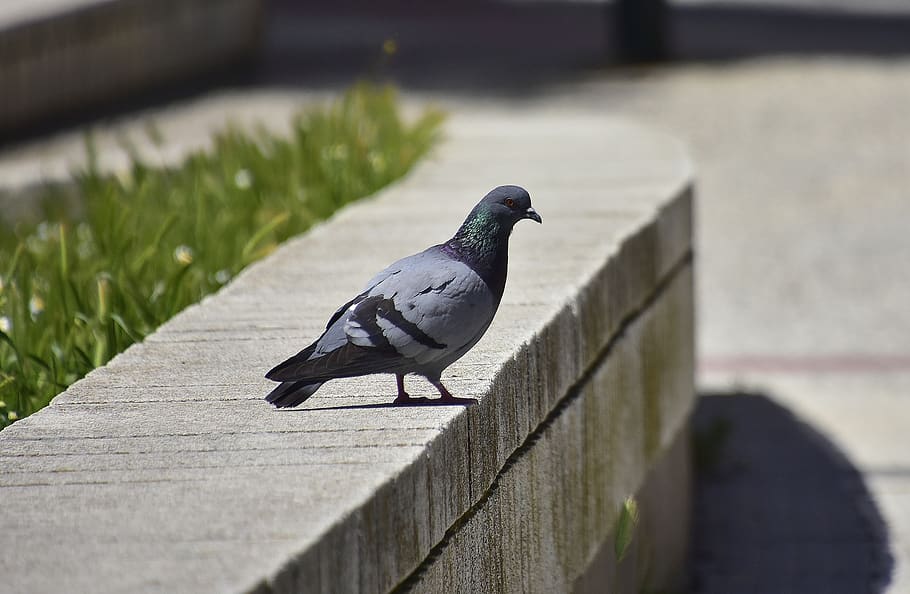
(838, 363)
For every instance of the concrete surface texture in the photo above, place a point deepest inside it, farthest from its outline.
(165, 470)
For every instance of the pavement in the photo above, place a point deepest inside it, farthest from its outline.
(798, 125)
(802, 291)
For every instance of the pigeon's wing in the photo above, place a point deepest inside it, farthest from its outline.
(334, 356)
(433, 308)
(418, 311)
(303, 365)
(381, 276)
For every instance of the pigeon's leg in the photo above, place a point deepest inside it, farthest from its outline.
(445, 397)
(403, 397)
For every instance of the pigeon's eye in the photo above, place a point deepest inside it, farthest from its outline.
(509, 202)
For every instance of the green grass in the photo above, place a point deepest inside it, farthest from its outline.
(76, 291)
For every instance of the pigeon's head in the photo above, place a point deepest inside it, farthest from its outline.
(509, 204)
(490, 223)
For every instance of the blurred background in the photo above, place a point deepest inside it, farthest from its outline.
(797, 116)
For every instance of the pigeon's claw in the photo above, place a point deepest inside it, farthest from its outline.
(404, 399)
(445, 397)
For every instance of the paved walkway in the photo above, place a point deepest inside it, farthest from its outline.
(802, 254)
(802, 232)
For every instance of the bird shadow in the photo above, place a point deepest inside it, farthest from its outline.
(415, 402)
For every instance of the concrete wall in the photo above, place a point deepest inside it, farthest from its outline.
(546, 524)
(165, 471)
(59, 56)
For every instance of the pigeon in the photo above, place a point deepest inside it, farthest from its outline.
(419, 315)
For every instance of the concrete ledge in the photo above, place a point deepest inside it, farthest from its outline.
(165, 471)
(57, 56)
(541, 525)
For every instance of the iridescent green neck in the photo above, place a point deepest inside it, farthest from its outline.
(482, 242)
(479, 234)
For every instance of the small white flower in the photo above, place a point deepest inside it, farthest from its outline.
(183, 254)
(377, 162)
(243, 179)
(157, 291)
(337, 152)
(5, 324)
(43, 230)
(222, 276)
(84, 240)
(125, 177)
(36, 305)
(12, 415)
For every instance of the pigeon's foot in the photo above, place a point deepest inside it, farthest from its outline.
(404, 399)
(445, 397)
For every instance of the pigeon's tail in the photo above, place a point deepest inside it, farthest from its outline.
(290, 394)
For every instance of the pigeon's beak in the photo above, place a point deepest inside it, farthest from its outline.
(532, 214)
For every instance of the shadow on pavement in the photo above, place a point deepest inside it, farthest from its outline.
(778, 507)
(417, 402)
